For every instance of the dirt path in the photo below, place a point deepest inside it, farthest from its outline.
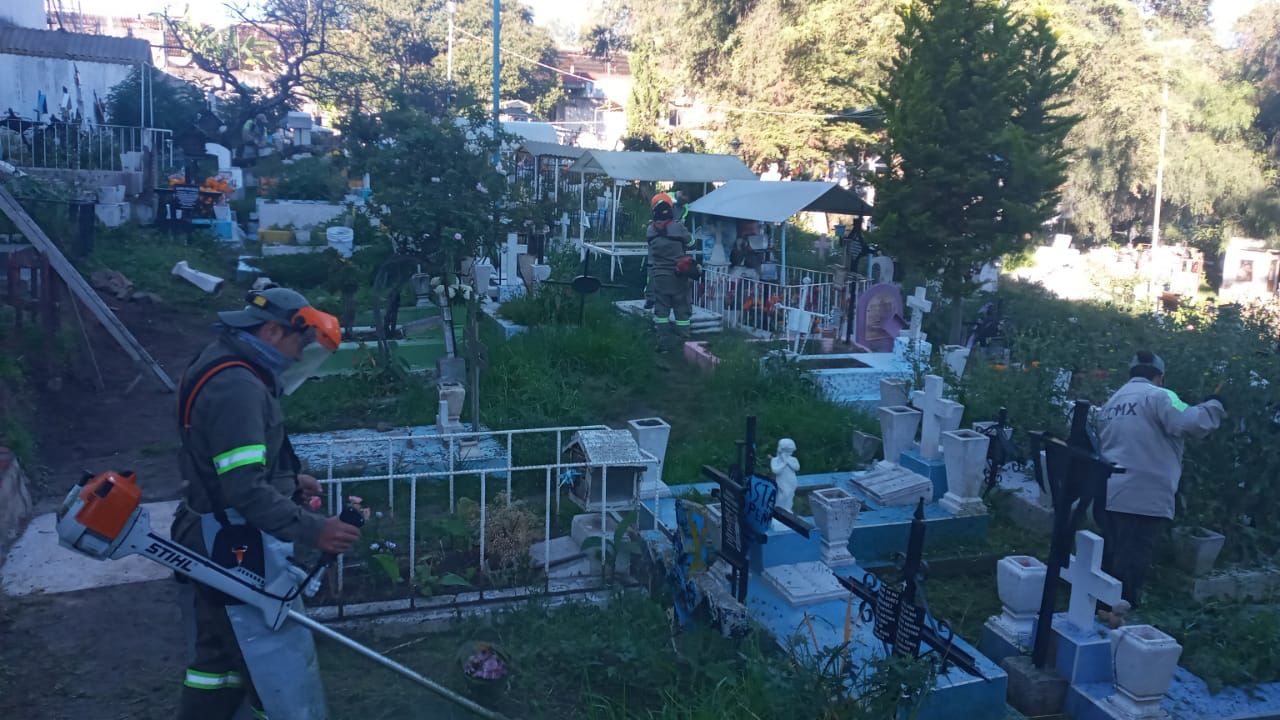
(113, 652)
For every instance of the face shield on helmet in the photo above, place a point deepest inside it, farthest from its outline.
(321, 333)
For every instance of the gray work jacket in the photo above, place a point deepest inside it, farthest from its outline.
(237, 441)
(1143, 430)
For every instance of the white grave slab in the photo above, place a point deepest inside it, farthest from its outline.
(1088, 583)
(890, 485)
(806, 583)
(37, 564)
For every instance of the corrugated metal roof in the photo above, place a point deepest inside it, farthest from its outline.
(545, 149)
(608, 447)
(777, 201)
(655, 166)
(74, 46)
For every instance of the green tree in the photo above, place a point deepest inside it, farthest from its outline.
(975, 128)
(438, 194)
(174, 102)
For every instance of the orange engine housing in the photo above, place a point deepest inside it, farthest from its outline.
(109, 501)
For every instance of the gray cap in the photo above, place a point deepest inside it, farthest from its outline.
(273, 305)
(1157, 363)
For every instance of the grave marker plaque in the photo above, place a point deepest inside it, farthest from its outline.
(886, 614)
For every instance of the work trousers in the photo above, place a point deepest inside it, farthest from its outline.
(1129, 549)
(672, 296)
(217, 681)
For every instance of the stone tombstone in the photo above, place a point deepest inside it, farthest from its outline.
(919, 305)
(939, 415)
(784, 466)
(880, 269)
(1088, 583)
(876, 309)
(965, 455)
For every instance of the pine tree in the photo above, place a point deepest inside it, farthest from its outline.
(976, 128)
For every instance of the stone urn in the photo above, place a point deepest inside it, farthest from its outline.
(1020, 584)
(1145, 659)
(893, 391)
(965, 455)
(898, 424)
(834, 512)
(453, 394)
(1196, 548)
(651, 435)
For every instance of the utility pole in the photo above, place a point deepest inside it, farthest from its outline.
(452, 7)
(1164, 130)
(497, 70)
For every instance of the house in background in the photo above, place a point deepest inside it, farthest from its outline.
(70, 71)
(1250, 271)
(593, 112)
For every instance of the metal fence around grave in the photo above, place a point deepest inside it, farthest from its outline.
(72, 146)
(464, 462)
(750, 304)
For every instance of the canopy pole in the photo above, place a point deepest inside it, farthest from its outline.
(782, 280)
(613, 227)
(537, 191)
(582, 211)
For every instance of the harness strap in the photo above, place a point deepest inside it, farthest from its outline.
(186, 403)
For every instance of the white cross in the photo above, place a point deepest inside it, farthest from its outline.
(919, 305)
(938, 411)
(1088, 583)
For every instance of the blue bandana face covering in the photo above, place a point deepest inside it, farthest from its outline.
(271, 358)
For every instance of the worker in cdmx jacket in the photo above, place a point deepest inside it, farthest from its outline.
(246, 503)
(1144, 429)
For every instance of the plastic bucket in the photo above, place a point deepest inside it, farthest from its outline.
(341, 239)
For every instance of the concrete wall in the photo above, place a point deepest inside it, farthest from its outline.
(24, 13)
(25, 77)
(301, 214)
(15, 499)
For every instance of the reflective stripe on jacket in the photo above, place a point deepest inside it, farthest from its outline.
(237, 440)
(1144, 427)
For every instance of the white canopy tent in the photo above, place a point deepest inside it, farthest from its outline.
(623, 166)
(776, 202)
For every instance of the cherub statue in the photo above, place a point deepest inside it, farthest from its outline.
(785, 466)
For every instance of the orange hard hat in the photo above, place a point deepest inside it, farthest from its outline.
(659, 199)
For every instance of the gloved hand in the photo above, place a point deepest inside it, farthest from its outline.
(1219, 398)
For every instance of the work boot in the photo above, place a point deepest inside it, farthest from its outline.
(648, 304)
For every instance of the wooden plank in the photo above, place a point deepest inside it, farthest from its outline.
(81, 290)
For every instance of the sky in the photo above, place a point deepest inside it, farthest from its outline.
(1225, 12)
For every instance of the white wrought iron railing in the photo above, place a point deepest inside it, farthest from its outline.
(74, 146)
(755, 305)
(521, 453)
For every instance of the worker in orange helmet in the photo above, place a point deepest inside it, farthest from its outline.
(671, 271)
(246, 503)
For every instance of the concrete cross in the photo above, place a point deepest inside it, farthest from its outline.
(1088, 583)
(919, 305)
(939, 416)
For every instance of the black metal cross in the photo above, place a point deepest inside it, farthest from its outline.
(900, 622)
(1074, 472)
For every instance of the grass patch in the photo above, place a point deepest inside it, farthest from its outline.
(146, 257)
(620, 661)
